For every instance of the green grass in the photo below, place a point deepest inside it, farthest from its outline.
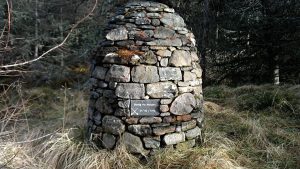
(246, 127)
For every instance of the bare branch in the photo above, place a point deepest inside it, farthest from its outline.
(55, 47)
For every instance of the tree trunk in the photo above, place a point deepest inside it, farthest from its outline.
(36, 48)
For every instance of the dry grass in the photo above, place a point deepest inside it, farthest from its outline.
(33, 137)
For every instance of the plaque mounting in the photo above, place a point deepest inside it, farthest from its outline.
(144, 107)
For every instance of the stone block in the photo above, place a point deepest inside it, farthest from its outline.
(164, 90)
(174, 138)
(145, 74)
(118, 73)
(169, 73)
(130, 91)
(113, 125)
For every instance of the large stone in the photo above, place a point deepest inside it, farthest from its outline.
(133, 143)
(113, 125)
(165, 90)
(99, 72)
(165, 42)
(174, 138)
(153, 15)
(108, 141)
(130, 91)
(141, 130)
(170, 73)
(193, 133)
(164, 33)
(180, 58)
(120, 33)
(103, 106)
(118, 73)
(145, 74)
(183, 104)
(152, 142)
(172, 20)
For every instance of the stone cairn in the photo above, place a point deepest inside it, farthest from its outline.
(146, 81)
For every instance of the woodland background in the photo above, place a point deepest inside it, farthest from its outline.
(239, 41)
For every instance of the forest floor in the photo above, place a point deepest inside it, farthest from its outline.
(246, 127)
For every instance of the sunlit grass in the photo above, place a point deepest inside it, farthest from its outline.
(33, 137)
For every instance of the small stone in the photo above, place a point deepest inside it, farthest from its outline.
(149, 58)
(152, 142)
(186, 89)
(97, 118)
(164, 62)
(178, 129)
(113, 85)
(163, 33)
(145, 74)
(109, 94)
(187, 117)
(164, 108)
(150, 120)
(174, 138)
(193, 133)
(153, 9)
(183, 104)
(142, 21)
(169, 119)
(117, 34)
(189, 76)
(148, 27)
(198, 72)
(103, 106)
(163, 130)
(183, 32)
(186, 144)
(165, 42)
(132, 120)
(113, 125)
(162, 90)
(122, 112)
(133, 143)
(125, 43)
(165, 114)
(160, 125)
(137, 15)
(166, 101)
(170, 10)
(118, 73)
(188, 125)
(180, 58)
(170, 73)
(164, 53)
(141, 130)
(200, 121)
(130, 91)
(99, 72)
(114, 59)
(108, 141)
(102, 84)
(153, 15)
(124, 104)
(158, 48)
(172, 20)
(155, 22)
(194, 56)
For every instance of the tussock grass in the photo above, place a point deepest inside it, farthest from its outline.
(236, 137)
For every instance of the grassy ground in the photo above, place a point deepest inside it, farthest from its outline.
(246, 127)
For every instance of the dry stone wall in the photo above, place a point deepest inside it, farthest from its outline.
(146, 81)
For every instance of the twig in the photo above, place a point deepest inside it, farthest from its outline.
(55, 47)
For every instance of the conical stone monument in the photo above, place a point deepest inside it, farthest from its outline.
(146, 81)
